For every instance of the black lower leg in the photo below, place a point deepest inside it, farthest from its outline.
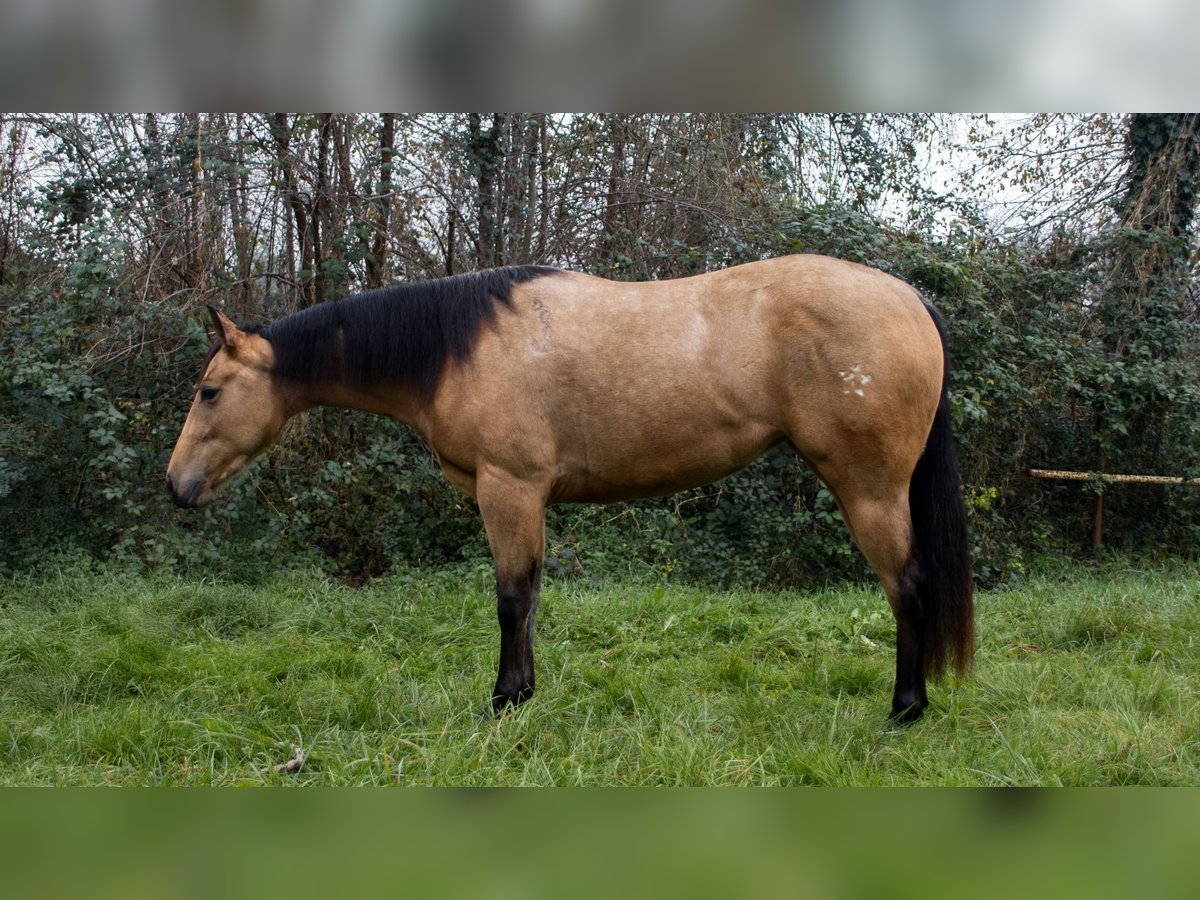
(909, 698)
(516, 609)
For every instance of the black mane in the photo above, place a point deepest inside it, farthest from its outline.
(403, 334)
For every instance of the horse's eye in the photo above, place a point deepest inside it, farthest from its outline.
(208, 394)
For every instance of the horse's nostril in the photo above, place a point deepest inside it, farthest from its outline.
(185, 500)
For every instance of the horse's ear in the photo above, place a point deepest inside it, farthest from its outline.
(227, 333)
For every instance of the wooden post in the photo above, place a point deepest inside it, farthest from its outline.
(1098, 522)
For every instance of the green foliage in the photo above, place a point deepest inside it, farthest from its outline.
(384, 503)
(771, 524)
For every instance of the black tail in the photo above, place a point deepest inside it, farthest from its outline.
(941, 544)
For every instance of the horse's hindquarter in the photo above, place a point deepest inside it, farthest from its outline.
(862, 370)
(604, 391)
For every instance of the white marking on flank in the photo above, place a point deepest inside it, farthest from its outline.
(855, 380)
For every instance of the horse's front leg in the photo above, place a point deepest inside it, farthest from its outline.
(514, 515)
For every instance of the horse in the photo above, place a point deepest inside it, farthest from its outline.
(535, 385)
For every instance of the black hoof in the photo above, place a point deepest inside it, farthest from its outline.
(906, 714)
(501, 702)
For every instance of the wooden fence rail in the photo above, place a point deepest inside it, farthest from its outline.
(1098, 519)
(1105, 476)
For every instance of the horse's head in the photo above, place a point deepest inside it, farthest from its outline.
(236, 413)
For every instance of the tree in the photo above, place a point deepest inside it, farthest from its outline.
(1147, 396)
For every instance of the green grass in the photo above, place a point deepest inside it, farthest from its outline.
(1084, 677)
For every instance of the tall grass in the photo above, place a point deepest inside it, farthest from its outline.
(1087, 676)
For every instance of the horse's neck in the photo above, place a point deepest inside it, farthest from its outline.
(382, 399)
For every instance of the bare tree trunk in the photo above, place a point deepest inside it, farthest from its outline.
(346, 209)
(641, 180)
(197, 250)
(282, 133)
(484, 153)
(163, 226)
(239, 211)
(529, 191)
(319, 220)
(8, 190)
(544, 211)
(616, 174)
(377, 256)
(508, 203)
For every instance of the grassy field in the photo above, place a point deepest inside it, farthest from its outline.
(1085, 677)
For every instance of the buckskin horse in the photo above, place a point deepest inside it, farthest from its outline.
(536, 385)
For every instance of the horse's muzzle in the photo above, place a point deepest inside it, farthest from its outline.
(189, 496)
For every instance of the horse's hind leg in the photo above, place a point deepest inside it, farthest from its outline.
(880, 523)
(514, 516)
